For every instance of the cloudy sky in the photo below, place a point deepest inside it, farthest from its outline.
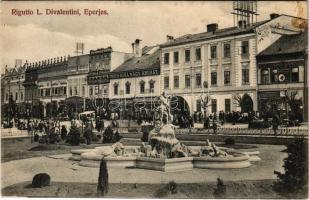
(35, 38)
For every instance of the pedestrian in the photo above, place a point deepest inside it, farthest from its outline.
(88, 133)
(63, 132)
(206, 123)
(214, 126)
(275, 123)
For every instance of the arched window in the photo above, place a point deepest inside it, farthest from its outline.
(128, 87)
(142, 87)
(151, 86)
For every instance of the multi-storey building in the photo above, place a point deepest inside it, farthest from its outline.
(282, 77)
(101, 62)
(77, 87)
(13, 91)
(135, 84)
(224, 60)
(52, 83)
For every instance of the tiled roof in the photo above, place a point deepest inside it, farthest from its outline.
(287, 44)
(225, 32)
(146, 61)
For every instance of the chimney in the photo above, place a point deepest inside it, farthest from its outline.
(133, 45)
(212, 27)
(169, 38)
(274, 15)
(137, 48)
(242, 24)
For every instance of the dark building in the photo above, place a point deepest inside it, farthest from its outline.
(282, 77)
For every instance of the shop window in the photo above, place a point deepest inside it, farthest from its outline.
(265, 76)
(274, 76)
(295, 75)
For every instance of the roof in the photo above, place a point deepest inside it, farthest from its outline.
(150, 59)
(78, 60)
(287, 44)
(225, 32)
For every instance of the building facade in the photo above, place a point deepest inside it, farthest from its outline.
(282, 77)
(135, 84)
(220, 63)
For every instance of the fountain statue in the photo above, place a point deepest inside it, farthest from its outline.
(163, 151)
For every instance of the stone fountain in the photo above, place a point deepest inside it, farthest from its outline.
(164, 152)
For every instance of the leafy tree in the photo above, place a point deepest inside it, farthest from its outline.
(295, 177)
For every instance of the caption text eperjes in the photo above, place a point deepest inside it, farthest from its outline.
(50, 11)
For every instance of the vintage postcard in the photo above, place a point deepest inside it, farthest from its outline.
(154, 99)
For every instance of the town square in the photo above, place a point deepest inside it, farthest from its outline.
(151, 107)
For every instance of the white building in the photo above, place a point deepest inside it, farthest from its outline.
(223, 58)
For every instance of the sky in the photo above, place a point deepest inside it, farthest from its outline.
(38, 37)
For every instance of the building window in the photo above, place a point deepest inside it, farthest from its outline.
(166, 58)
(166, 82)
(16, 96)
(83, 91)
(187, 81)
(151, 86)
(75, 90)
(128, 87)
(42, 93)
(245, 47)
(71, 91)
(245, 74)
(176, 82)
(274, 76)
(187, 55)
(265, 76)
(47, 92)
(227, 103)
(21, 96)
(227, 50)
(227, 77)
(142, 87)
(198, 54)
(213, 52)
(198, 105)
(64, 90)
(213, 78)
(96, 89)
(295, 76)
(116, 89)
(176, 57)
(198, 80)
(6, 96)
(90, 90)
(214, 105)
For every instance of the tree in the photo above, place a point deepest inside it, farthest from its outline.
(295, 104)
(102, 188)
(295, 177)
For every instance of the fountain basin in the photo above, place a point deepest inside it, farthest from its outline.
(165, 165)
(236, 161)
